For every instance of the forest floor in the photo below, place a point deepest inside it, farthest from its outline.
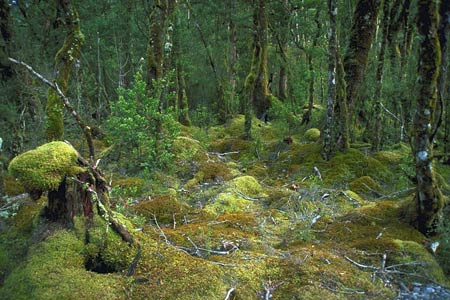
(238, 219)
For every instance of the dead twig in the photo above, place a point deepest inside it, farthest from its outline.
(230, 293)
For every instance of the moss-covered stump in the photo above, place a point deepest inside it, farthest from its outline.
(45, 167)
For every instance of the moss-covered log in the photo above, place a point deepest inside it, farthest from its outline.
(65, 60)
(429, 197)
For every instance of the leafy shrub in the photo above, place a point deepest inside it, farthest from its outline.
(141, 128)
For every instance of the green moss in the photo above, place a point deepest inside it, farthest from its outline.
(230, 202)
(45, 167)
(365, 186)
(248, 186)
(428, 267)
(165, 208)
(54, 269)
(312, 135)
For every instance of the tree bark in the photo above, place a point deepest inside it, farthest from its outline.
(428, 195)
(65, 59)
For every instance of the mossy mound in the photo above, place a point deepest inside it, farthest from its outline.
(165, 208)
(365, 185)
(45, 167)
(248, 186)
(312, 135)
(230, 202)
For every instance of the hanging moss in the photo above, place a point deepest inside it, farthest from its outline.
(45, 167)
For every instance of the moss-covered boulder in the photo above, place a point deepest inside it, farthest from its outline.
(45, 167)
(312, 135)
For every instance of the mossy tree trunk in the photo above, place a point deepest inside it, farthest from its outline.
(155, 47)
(356, 56)
(377, 134)
(65, 60)
(232, 59)
(443, 88)
(306, 118)
(428, 195)
(283, 45)
(261, 100)
(182, 100)
(328, 139)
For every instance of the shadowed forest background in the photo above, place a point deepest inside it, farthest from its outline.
(238, 149)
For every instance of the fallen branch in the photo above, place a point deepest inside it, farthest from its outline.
(86, 129)
(229, 293)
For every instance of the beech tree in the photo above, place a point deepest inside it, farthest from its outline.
(428, 195)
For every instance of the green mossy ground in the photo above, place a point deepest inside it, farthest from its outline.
(260, 216)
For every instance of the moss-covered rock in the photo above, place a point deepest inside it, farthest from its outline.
(45, 167)
(312, 135)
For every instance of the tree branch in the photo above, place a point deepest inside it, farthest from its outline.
(86, 129)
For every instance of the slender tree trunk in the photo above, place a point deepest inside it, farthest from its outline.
(443, 88)
(155, 47)
(328, 139)
(356, 56)
(429, 197)
(341, 108)
(232, 58)
(377, 134)
(65, 59)
(283, 45)
(307, 116)
(261, 101)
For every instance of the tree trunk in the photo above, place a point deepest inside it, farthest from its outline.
(356, 56)
(428, 195)
(283, 45)
(376, 139)
(261, 101)
(65, 59)
(232, 59)
(328, 140)
(444, 91)
(306, 118)
(155, 47)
